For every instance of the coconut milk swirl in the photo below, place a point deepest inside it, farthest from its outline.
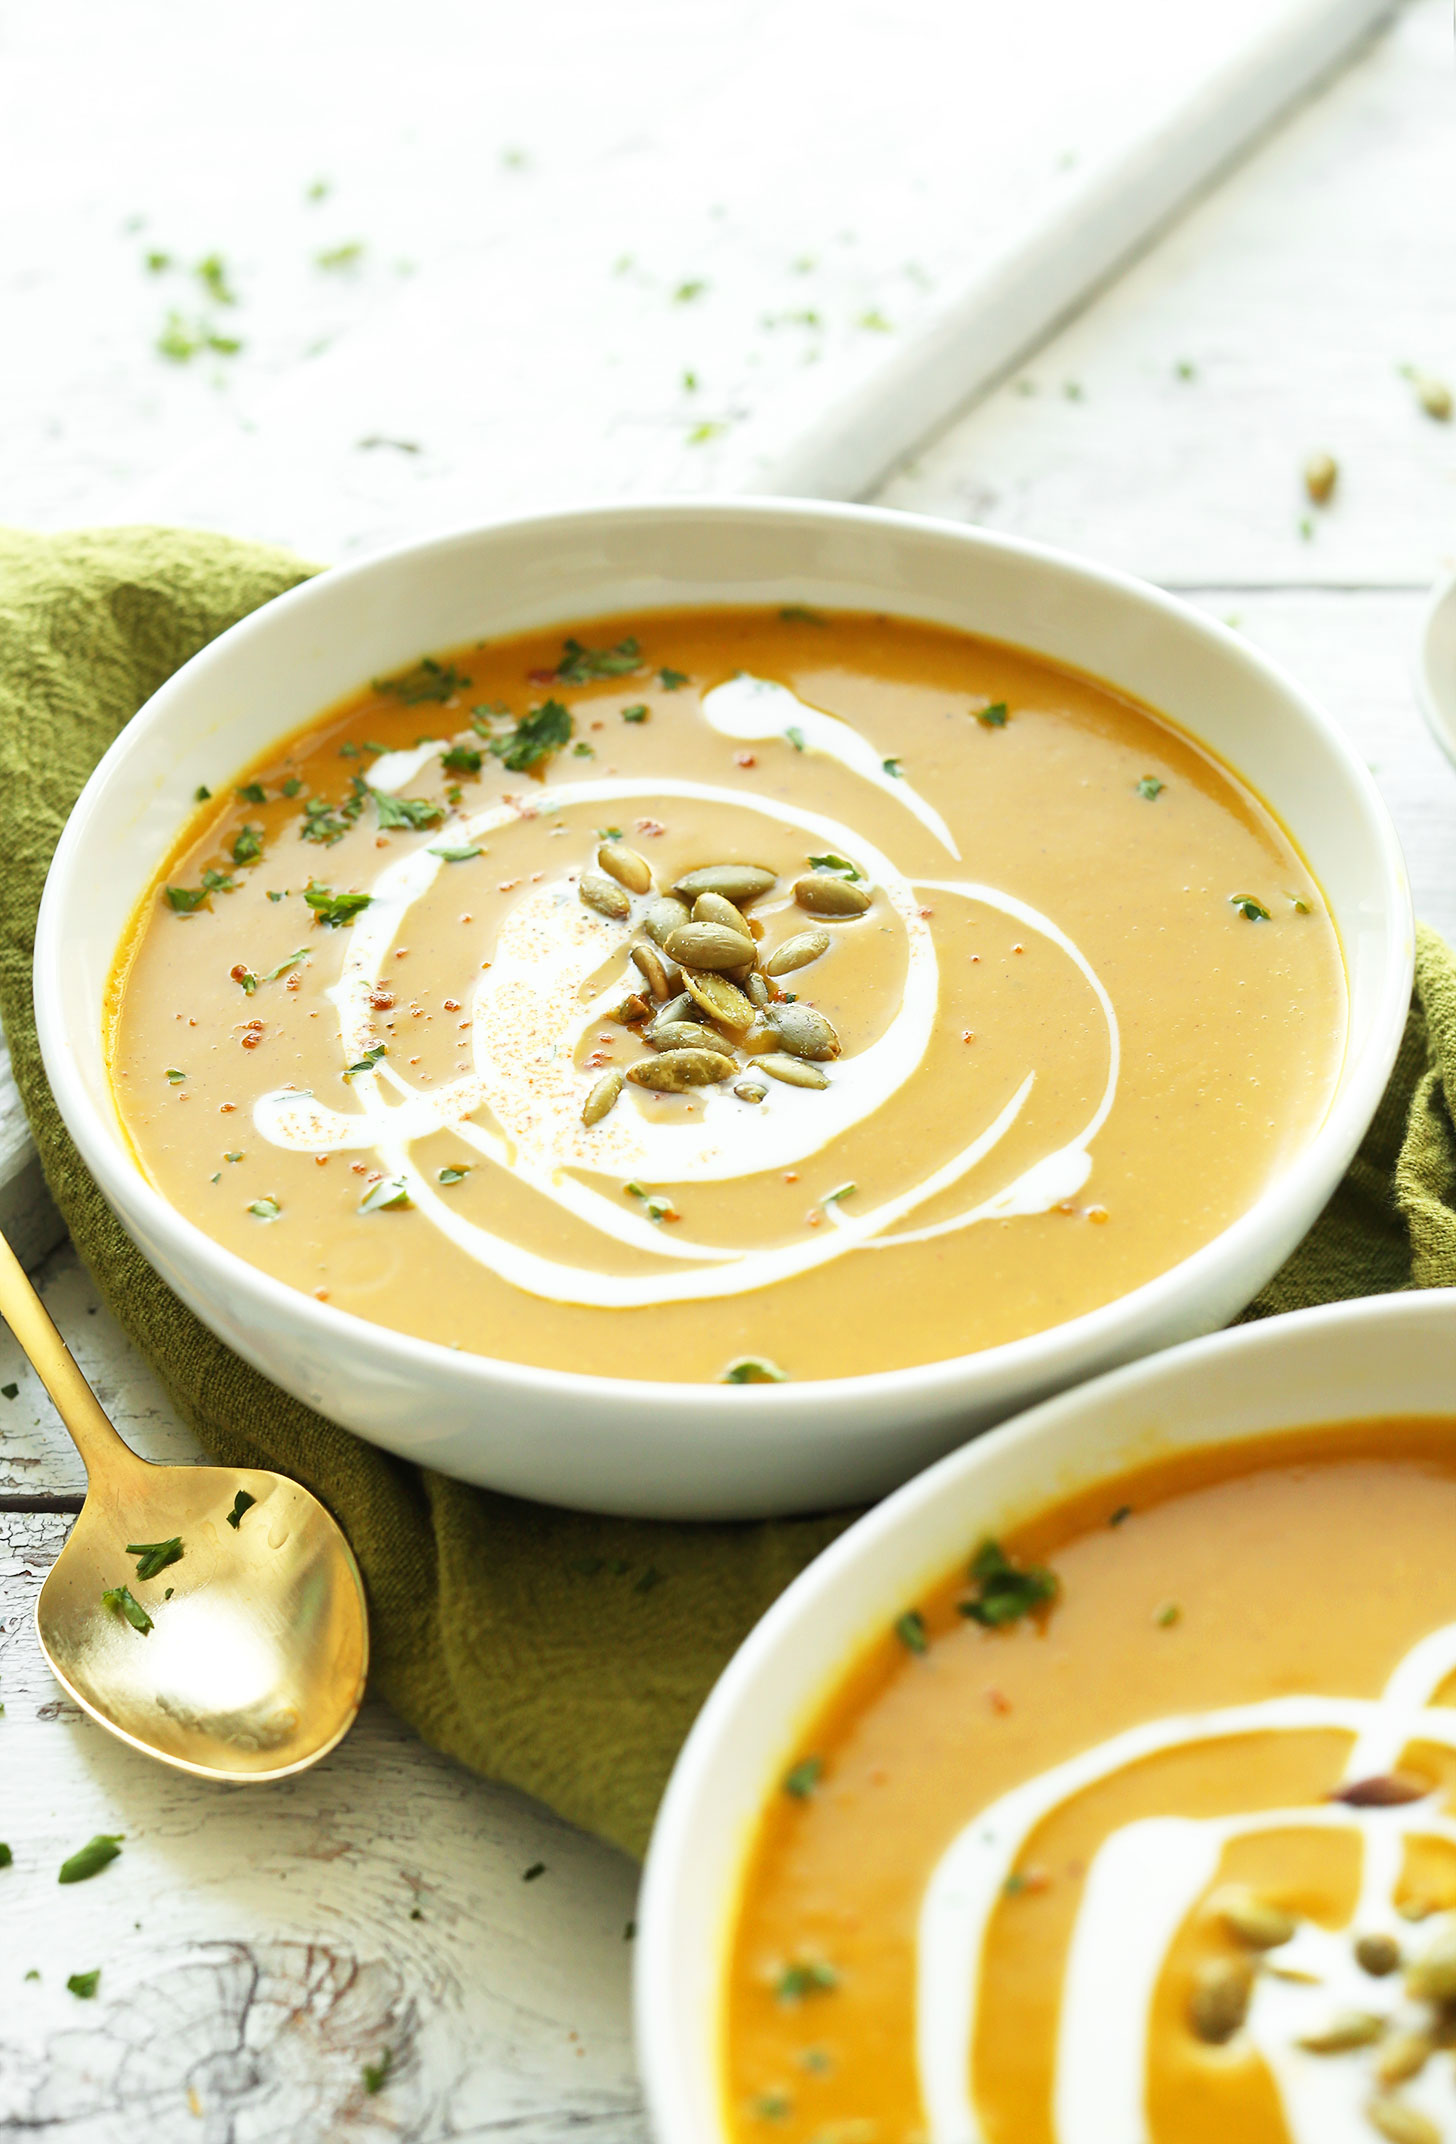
(536, 1000)
(1144, 1882)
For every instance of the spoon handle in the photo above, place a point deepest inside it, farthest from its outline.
(100, 1447)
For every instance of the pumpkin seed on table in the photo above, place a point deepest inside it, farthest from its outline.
(731, 882)
(797, 952)
(803, 1032)
(605, 896)
(680, 1035)
(664, 917)
(709, 945)
(652, 972)
(675, 1071)
(793, 1071)
(625, 866)
(1399, 2123)
(719, 998)
(1220, 1999)
(602, 1098)
(824, 895)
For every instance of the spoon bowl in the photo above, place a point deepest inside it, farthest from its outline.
(254, 1663)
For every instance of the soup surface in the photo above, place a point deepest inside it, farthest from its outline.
(1137, 1829)
(990, 996)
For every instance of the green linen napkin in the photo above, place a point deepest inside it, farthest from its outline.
(563, 1653)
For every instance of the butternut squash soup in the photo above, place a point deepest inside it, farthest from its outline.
(1137, 1830)
(728, 994)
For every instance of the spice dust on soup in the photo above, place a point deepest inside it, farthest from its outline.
(726, 993)
(1138, 1830)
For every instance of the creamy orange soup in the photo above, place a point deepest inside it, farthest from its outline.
(726, 993)
(1162, 1850)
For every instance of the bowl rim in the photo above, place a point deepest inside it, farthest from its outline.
(656, 1992)
(1038, 1359)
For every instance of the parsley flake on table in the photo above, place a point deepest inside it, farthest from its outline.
(335, 909)
(155, 1556)
(6, 1857)
(211, 273)
(92, 1858)
(201, 794)
(428, 681)
(579, 665)
(122, 1598)
(1006, 1591)
(802, 1778)
(9, 1392)
(534, 738)
(537, 1868)
(242, 1505)
(405, 811)
(84, 1984)
(376, 2074)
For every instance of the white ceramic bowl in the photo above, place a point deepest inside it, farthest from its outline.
(676, 1449)
(1393, 1354)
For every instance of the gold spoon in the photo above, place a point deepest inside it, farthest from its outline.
(254, 1660)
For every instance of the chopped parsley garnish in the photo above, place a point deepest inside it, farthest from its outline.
(992, 717)
(84, 1984)
(247, 845)
(427, 681)
(335, 909)
(840, 1191)
(582, 750)
(836, 866)
(242, 1505)
(458, 856)
(376, 2074)
(796, 737)
(579, 665)
(893, 766)
(369, 1060)
(636, 713)
(328, 823)
(672, 680)
(155, 1556)
(534, 738)
(453, 1173)
(692, 288)
(1006, 1591)
(252, 793)
(910, 1630)
(9, 1392)
(801, 1779)
(201, 794)
(461, 759)
(284, 965)
(753, 1370)
(1122, 1513)
(211, 273)
(335, 260)
(1150, 787)
(708, 429)
(1167, 1615)
(800, 614)
(121, 1597)
(232, 1157)
(774, 2106)
(405, 811)
(1253, 911)
(217, 882)
(6, 1857)
(175, 1078)
(265, 1209)
(184, 899)
(92, 1858)
(245, 979)
(389, 1191)
(292, 786)
(806, 1976)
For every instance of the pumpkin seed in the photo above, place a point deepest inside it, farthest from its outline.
(803, 1032)
(732, 882)
(1401, 2124)
(1321, 472)
(709, 945)
(1432, 1978)
(625, 866)
(712, 908)
(1220, 1999)
(1254, 1920)
(749, 1090)
(752, 1370)
(1377, 1955)
(602, 1098)
(1404, 2055)
(631, 1010)
(652, 972)
(1434, 397)
(605, 896)
(1351, 2028)
(824, 895)
(757, 991)
(791, 1070)
(677, 1070)
(797, 952)
(664, 917)
(680, 1007)
(719, 998)
(680, 1035)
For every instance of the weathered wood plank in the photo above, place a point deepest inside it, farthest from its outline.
(259, 1946)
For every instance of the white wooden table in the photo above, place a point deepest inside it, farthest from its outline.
(258, 1946)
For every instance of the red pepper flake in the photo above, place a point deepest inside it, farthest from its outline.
(401, 952)
(381, 841)
(1097, 1213)
(540, 677)
(966, 1035)
(321, 1294)
(745, 759)
(791, 1176)
(236, 973)
(1066, 1206)
(651, 826)
(294, 982)
(452, 1005)
(360, 1168)
(507, 885)
(465, 919)
(598, 725)
(925, 912)
(225, 1109)
(1018, 949)
(320, 1161)
(998, 1701)
(813, 1217)
(381, 997)
(251, 1040)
